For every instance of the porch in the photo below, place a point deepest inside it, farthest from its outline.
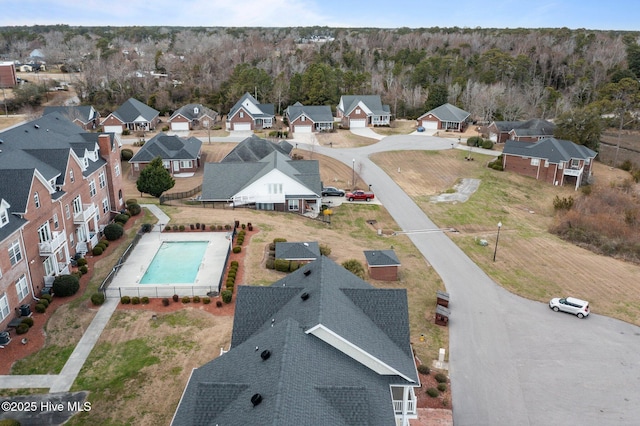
(47, 248)
(88, 211)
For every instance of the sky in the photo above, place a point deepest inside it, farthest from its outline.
(589, 14)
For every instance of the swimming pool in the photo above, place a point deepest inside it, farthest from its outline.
(175, 262)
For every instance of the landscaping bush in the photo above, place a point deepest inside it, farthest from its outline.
(564, 203)
(237, 249)
(424, 369)
(146, 228)
(40, 308)
(121, 218)
(230, 282)
(270, 264)
(44, 302)
(474, 141)
(279, 240)
(28, 321)
(134, 209)
(131, 201)
(294, 265)
(234, 263)
(196, 299)
(175, 297)
(487, 144)
(442, 387)
(104, 242)
(206, 300)
(84, 269)
(226, 295)
(97, 299)
(97, 251)
(181, 227)
(186, 299)
(175, 227)
(325, 250)
(281, 265)
(82, 261)
(354, 266)
(165, 301)
(66, 285)
(46, 297)
(126, 154)
(22, 328)
(77, 274)
(231, 274)
(218, 303)
(135, 300)
(272, 247)
(441, 378)
(113, 231)
(144, 300)
(433, 392)
(125, 300)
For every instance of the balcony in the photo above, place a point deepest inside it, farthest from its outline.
(47, 248)
(411, 407)
(88, 211)
(397, 394)
(573, 172)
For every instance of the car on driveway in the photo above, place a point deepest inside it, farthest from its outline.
(330, 191)
(571, 305)
(359, 195)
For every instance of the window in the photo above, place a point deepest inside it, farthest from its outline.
(77, 205)
(294, 205)
(136, 166)
(4, 307)
(71, 240)
(105, 205)
(44, 233)
(50, 264)
(358, 111)
(36, 200)
(4, 217)
(274, 188)
(535, 161)
(186, 164)
(166, 164)
(92, 188)
(22, 288)
(56, 223)
(67, 211)
(71, 178)
(241, 114)
(116, 169)
(546, 163)
(575, 163)
(102, 181)
(303, 118)
(15, 254)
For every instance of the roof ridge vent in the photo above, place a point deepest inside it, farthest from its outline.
(256, 399)
(304, 296)
(265, 354)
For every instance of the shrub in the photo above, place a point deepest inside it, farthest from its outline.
(234, 263)
(237, 249)
(279, 240)
(144, 300)
(270, 264)
(125, 300)
(441, 378)
(564, 203)
(244, 226)
(121, 218)
(586, 190)
(325, 250)
(167, 228)
(424, 369)
(66, 285)
(231, 274)
(165, 301)
(487, 144)
(134, 209)
(218, 303)
(186, 299)
(104, 242)
(281, 265)
(206, 300)
(113, 231)
(28, 321)
(354, 266)
(126, 132)
(126, 154)
(226, 296)
(626, 165)
(77, 274)
(474, 141)
(97, 251)
(82, 261)
(97, 299)
(83, 269)
(433, 392)
(22, 328)
(131, 201)
(293, 266)
(46, 297)
(181, 227)
(442, 387)
(45, 302)
(272, 247)
(40, 308)
(175, 297)
(146, 228)
(175, 227)
(196, 299)
(135, 300)
(230, 282)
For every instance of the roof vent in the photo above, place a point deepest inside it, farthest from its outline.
(305, 244)
(265, 354)
(304, 296)
(256, 399)
(307, 272)
(36, 126)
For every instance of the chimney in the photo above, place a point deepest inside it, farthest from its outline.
(104, 142)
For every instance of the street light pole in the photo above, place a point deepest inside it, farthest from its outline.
(497, 238)
(353, 173)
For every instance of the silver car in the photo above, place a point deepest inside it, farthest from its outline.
(571, 305)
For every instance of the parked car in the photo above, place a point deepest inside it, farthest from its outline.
(330, 191)
(571, 305)
(359, 195)
(420, 129)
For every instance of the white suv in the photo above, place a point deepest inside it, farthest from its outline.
(578, 307)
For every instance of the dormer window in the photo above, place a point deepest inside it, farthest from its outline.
(196, 110)
(4, 217)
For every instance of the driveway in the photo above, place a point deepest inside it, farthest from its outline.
(513, 361)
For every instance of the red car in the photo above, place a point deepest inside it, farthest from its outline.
(359, 195)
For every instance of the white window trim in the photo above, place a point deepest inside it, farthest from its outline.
(535, 161)
(92, 188)
(102, 180)
(293, 204)
(22, 289)
(116, 168)
(15, 253)
(4, 307)
(4, 217)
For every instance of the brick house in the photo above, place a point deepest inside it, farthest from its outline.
(309, 118)
(446, 117)
(179, 155)
(527, 131)
(248, 114)
(191, 116)
(132, 115)
(8, 76)
(382, 264)
(357, 111)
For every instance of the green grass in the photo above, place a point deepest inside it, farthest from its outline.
(48, 360)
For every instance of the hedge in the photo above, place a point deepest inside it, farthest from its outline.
(66, 285)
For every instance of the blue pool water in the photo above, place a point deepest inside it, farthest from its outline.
(176, 262)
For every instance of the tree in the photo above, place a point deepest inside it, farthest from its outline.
(438, 95)
(582, 126)
(155, 179)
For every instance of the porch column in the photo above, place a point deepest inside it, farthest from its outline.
(405, 403)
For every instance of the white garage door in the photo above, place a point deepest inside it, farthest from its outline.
(113, 129)
(433, 125)
(355, 124)
(242, 127)
(180, 126)
(302, 129)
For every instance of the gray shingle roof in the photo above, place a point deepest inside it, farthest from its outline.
(132, 109)
(534, 127)
(298, 250)
(266, 110)
(304, 381)
(381, 258)
(316, 113)
(254, 148)
(552, 149)
(15, 185)
(84, 113)
(373, 102)
(194, 112)
(168, 147)
(448, 112)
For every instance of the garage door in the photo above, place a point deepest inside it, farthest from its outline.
(180, 126)
(433, 125)
(302, 129)
(242, 127)
(355, 124)
(113, 129)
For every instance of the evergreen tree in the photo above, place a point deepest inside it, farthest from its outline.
(155, 179)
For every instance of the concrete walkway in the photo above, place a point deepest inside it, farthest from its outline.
(62, 382)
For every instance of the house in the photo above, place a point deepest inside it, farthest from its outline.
(255, 148)
(86, 116)
(318, 347)
(356, 111)
(191, 116)
(180, 156)
(8, 76)
(132, 115)
(531, 130)
(555, 161)
(310, 118)
(274, 182)
(382, 264)
(298, 251)
(248, 114)
(59, 187)
(446, 117)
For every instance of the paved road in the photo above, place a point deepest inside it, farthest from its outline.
(513, 361)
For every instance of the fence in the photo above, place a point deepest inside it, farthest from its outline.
(179, 195)
(154, 291)
(105, 283)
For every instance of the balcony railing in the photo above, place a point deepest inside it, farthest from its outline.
(411, 406)
(573, 172)
(48, 248)
(88, 211)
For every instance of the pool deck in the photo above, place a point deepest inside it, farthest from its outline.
(127, 280)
